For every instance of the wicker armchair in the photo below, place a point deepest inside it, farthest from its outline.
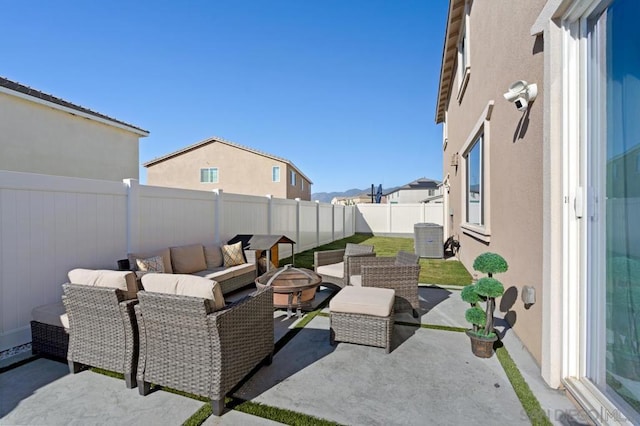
(333, 265)
(187, 345)
(400, 273)
(102, 325)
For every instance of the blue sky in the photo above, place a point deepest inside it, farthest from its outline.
(345, 89)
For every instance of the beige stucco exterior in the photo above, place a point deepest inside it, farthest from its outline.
(38, 137)
(501, 51)
(240, 171)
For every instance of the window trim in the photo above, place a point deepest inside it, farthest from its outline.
(463, 66)
(210, 169)
(292, 178)
(482, 127)
(273, 169)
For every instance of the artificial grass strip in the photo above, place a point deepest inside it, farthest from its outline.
(199, 416)
(528, 400)
(107, 373)
(279, 414)
(414, 324)
(432, 326)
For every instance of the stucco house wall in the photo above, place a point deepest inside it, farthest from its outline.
(45, 138)
(240, 171)
(513, 143)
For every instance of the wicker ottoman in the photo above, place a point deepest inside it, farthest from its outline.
(49, 335)
(362, 315)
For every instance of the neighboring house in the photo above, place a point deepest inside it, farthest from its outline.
(363, 198)
(40, 133)
(539, 185)
(219, 164)
(414, 192)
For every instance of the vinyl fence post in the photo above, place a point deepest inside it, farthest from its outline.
(218, 216)
(269, 213)
(298, 245)
(133, 215)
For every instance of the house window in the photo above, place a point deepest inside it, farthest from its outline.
(475, 199)
(293, 178)
(209, 175)
(275, 174)
(475, 192)
(464, 65)
(302, 184)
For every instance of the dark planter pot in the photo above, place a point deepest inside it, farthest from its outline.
(482, 347)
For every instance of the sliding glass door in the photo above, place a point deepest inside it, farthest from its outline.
(613, 231)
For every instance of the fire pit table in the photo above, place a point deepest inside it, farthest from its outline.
(291, 286)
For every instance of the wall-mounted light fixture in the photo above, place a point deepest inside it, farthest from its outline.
(454, 160)
(521, 94)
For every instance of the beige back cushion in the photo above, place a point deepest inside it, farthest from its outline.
(184, 285)
(166, 259)
(188, 259)
(213, 256)
(123, 280)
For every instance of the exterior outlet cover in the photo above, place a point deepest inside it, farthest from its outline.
(528, 295)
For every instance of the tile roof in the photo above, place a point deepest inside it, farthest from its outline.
(26, 90)
(226, 142)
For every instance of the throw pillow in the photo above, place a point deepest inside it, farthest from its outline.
(232, 254)
(152, 264)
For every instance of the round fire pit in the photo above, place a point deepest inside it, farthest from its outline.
(291, 286)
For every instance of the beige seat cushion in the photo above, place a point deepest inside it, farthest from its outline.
(166, 259)
(216, 274)
(123, 280)
(332, 270)
(241, 269)
(52, 314)
(188, 259)
(184, 285)
(363, 300)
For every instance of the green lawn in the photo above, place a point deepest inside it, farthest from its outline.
(432, 271)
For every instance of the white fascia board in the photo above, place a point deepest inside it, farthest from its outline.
(73, 111)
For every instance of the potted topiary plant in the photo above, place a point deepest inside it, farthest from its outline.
(486, 290)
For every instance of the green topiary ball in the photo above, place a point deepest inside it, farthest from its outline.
(476, 316)
(469, 295)
(489, 287)
(490, 263)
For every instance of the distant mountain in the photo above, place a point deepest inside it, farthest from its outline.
(326, 197)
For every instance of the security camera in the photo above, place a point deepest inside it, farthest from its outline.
(521, 94)
(521, 103)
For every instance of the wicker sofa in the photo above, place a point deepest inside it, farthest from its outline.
(191, 341)
(207, 261)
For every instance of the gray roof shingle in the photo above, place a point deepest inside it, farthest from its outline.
(26, 90)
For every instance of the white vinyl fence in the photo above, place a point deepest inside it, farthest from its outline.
(396, 218)
(51, 224)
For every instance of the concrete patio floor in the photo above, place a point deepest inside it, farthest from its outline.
(430, 377)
